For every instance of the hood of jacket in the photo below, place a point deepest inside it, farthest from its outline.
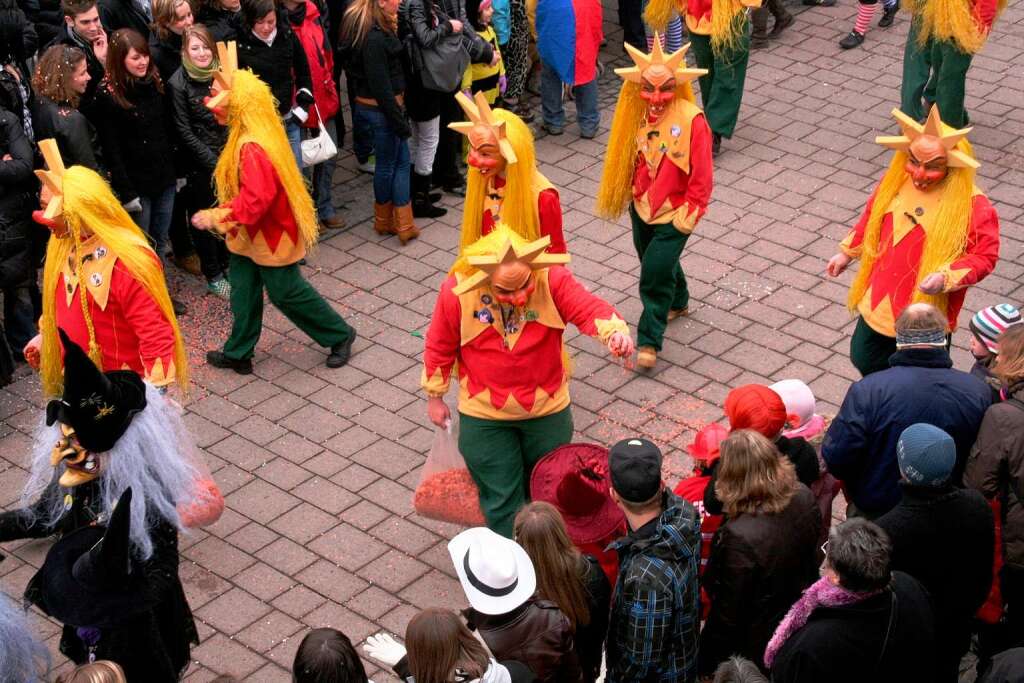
(677, 530)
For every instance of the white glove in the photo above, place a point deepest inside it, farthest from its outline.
(134, 206)
(384, 648)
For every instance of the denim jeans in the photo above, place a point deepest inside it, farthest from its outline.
(551, 102)
(294, 132)
(155, 219)
(323, 175)
(362, 131)
(391, 177)
(19, 317)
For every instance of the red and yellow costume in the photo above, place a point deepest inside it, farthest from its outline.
(510, 363)
(549, 209)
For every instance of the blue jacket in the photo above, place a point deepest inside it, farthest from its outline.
(920, 386)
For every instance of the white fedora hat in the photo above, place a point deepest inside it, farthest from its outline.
(496, 573)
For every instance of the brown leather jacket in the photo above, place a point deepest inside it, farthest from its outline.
(536, 634)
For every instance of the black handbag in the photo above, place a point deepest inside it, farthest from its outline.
(441, 67)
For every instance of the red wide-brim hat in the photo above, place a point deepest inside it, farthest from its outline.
(574, 478)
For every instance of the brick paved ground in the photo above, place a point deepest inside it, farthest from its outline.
(318, 465)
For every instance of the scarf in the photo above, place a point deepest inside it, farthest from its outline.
(822, 593)
(199, 73)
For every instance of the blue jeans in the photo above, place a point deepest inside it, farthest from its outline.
(155, 219)
(391, 177)
(294, 132)
(362, 135)
(551, 102)
(323, 174)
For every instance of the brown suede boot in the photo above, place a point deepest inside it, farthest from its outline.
(382, 218)
(405, 228)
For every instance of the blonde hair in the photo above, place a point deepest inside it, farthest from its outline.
(91, 208)
(519, 208)
(1009, 365)
(360, 16)
(728, 22)
(753, 476)
(252, 117)
(487, 245)
(100, 671)
(949, 20)
(165, 12)
(616, 189)
(941, 247)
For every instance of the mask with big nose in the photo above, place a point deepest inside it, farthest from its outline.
(657, 88)
(927, 162)
(513, 284)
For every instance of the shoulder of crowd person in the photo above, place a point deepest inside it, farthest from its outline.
(996, 464)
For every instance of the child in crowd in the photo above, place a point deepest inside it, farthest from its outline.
(483, 77)
(986, 326)
(327, 654)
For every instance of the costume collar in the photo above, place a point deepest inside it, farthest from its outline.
(669, 137)
(481, 310)
(922, 358)
(97, 270)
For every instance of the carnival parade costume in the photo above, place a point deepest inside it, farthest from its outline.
(719, 36)
(111, 432)
(268, 219)
(659, 163)
(498, 324)
(922, 220)
(944, 36)
(503, 184)
(22, 657)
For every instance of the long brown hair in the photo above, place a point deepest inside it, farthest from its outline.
(359, 17)
(118, 79)
(753, 476)
(540, 529)
(439, 643)
(52, 77)
(1009, 365)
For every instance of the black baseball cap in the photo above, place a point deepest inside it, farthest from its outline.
(635, 468)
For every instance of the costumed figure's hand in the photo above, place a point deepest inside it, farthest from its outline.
(837, 264)
(502, 84)
(214, 220)
(32, 351)
(621, 345)
(933, 284)
(437, 411)
(134, 206)
(384, 648)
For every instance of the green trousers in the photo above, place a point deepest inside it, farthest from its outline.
(662, 281)
(501, 454)
(721, 90)
(292, 295)
(936, 72)
(869, 350)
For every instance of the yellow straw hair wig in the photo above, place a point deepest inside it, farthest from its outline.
(949, 20)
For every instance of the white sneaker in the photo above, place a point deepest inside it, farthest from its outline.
(368, 166)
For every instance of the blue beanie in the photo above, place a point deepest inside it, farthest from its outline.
(926, 454)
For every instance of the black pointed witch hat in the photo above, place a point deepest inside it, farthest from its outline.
(89, 577)
(98, 405)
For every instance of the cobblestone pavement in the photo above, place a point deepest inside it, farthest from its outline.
(318, 465)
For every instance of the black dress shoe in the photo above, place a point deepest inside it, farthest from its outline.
(218, 360)
(888, 15)
(341, 352)
(852, 40)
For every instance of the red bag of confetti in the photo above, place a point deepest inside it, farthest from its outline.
(205, 508)
(446, 491)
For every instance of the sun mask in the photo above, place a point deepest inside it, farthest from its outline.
(485, 151)
(931, 148)
(490, 151)
(51, 198)
(509, 270)
(658, 74)
(927, 163)
(512, 283)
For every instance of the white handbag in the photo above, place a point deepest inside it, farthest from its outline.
(319, 149)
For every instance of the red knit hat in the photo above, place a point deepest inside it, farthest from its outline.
(755, 406)
(705, 444)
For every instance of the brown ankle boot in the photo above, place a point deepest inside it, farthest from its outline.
(405, 228)
(382, 218)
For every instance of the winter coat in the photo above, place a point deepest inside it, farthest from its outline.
(377, 73)
(652, 631)
(996, 468)
(137, 147)
(480, 51)
(419, 25)
(282, 65)
(1006, 667)
(16, 185)
(759, 566)
(921, 528)
(797, 451)
(118, 14)
(223, 24)
(195, 126)
(590, 637)
(46, 17)
(166, 54)
(75, 135)
(92, 64)
(496, 672)
(310, 28)
(18, 36)
(865, 641)
(983, 371)
(921, 386)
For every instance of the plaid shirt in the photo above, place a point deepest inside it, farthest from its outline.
(652, 634)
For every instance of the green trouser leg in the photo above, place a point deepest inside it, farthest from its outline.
(500, 455)
(290, 293)
(662, 282)
(936, 71)
(721, 90)
(869, 350)
(917, 69)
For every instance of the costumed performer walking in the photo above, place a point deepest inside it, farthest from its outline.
(110, 432)
(659, 164)
(927, 233)
(500, 319)
(943, 38)
(102, 284)
(268, 219)
(503, 183)
(719, 33)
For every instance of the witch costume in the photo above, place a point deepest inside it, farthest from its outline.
(111, 439)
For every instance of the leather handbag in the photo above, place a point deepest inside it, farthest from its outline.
(318, 149)
(442, 65)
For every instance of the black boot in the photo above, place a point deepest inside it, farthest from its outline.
(716, 144)
(422, 207)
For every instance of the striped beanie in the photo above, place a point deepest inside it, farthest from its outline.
(988, 323)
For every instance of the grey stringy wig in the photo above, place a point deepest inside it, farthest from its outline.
(155, 457)
(22, 657)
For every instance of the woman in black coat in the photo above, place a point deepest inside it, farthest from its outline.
(170, 19)
(221, 18)
(17, 270)
(762, 557)
(60, 80)
(201, 140)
